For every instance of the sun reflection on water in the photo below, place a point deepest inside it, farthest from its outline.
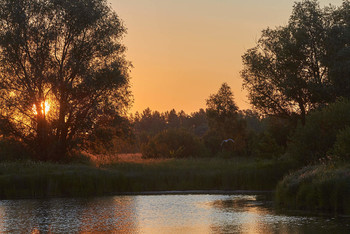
(158, 214)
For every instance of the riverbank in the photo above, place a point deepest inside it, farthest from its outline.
(40, 180)
(323, 188)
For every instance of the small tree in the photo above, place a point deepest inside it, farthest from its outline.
(62, 68)
(223, 118)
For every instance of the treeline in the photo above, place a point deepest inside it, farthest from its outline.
(220, 130)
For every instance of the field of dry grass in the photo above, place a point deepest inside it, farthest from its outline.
(100, 160)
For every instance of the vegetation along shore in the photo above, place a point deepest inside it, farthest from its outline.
(29, 179)
(65, 118)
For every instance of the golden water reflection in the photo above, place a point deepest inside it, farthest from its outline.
(159, 214)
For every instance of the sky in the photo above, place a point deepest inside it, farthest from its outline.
(183, 50)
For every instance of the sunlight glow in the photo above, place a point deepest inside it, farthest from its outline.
(47, 108)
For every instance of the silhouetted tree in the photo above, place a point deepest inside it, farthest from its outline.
(150, 122)
(338, 51)
(65, 56)
(199, 123)
(285, 73)
(172, 119)
(223, 118)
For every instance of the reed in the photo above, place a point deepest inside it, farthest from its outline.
(27, 179)
(323, 188)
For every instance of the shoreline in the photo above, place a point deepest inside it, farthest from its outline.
(197, 192)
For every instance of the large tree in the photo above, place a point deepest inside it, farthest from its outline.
(338, 56)
(286, 73)
(62, 68)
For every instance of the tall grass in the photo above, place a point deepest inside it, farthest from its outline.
(322, 187)
(34, 179)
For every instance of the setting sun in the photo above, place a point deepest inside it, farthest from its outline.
(44, 105)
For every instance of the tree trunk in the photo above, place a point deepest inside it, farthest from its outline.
(42, 138)
(302, 113)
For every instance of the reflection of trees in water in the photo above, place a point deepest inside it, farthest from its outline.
(159, 214)
(241, 203)
(243, 215)
(110, 214)
(20, 216)
(2, 212)
(250, 214)
(113, 214)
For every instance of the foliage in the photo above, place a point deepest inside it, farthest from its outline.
(265, 146)
(338, 50)
(222, 111)
(312, 141)
(224, 120)
(341, 146)
(286, 74)
(53, 55)
(150, 123)
(212, 141)
(11, 150)
(173, 143)
(320, 187)
(111, 135)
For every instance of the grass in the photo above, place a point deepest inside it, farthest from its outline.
(29, 179)
(323, 188)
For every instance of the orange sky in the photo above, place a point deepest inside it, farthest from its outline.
(183, 50)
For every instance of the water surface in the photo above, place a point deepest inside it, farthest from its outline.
(160, 214)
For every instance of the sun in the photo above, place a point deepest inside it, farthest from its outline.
(45, 104)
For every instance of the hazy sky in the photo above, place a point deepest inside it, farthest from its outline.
(183, 50)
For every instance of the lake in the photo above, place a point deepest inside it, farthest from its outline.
(160, 214)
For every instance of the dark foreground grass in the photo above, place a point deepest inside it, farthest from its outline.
(37, 180)
(323, 188)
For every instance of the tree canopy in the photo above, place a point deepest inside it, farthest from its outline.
(62, 68)
(295, 68)
(223, 117)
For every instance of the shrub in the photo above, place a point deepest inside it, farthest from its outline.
(321, 187)
(173, 143)
(11, 149)
(265, 146)
(312, 141)
(212, 141)
(342, 144)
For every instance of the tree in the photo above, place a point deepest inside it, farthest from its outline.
(62, 68)
(221, 109)
(172, 119)
(199, 122)
(286, 73)
(223, 118)
(338, 51)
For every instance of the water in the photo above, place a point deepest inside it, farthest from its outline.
(160, 214)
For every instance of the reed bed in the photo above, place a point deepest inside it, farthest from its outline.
(324, 188)
(27, 179)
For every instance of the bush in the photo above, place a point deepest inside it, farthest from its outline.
(312, 141)
(173, 143)
(212, 141)
(11, 149)
(341, 147)
(265, 146)
(321, 187)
